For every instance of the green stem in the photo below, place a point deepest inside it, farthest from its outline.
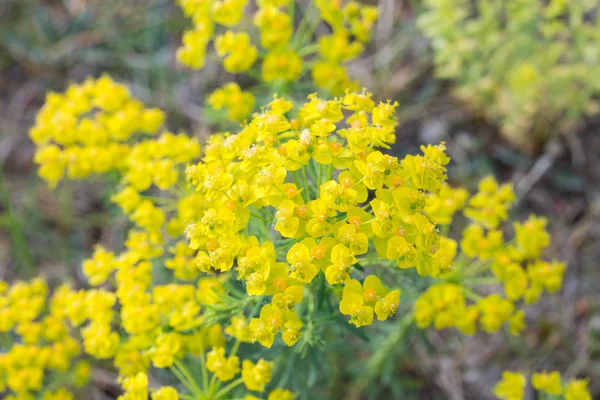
(304, 35)
(469, 294)
(445, 230)
(211, 385)
(292, 11)
(182, 368)
(21, 249)
(287, 245)
(228, 388)
(386, 349)
(476, 266)
(314, 175)
(306, 188)
(204, 371)
(235, 347)
(482, 281)
(308, 50)
(260, 218)
(296, 180)
(181, 378)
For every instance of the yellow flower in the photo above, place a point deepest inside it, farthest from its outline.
(130, 360)
(280, 394)
(332, 77)
(238, 51)
(531, 237)
(427, 172)
(548, 275)
(577, 390)
(255, 267)
(490, 205)
(384, 114)
(224, 368)
(82, 373)
(256, 376)
(136, 387)
(228, 12)
(338, 48)
(321, 222)
(375, 169)
(52, 164)
(99, 341)
(548, 382)
(377, 296)
(511, 387)
(165, 349)
(275, 27)
(443, 205)
(99, 268)
(343, 259)
(300, 266)
(237, 103)
(476, 243)
(353, 304)
(239, 329)
(441, 305)
(494, 312)
(351, 237)
(403, 252)
(290, 297)
(286, 221)
(282, 64)
(385, 301)
(128, 199)
(165, 393)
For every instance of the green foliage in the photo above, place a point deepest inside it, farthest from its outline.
(531, 66)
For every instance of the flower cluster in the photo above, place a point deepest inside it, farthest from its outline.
(284, 50)
(520, 62)
(97, 127)
(158, 328)
(514, 264)
(267, 232)
(238, 104)
(512, 386)
(44, 347)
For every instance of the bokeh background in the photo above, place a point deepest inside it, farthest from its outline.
(46, 44)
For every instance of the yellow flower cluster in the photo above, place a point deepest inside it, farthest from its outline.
(158, 325)
(43, 345)
(285, 45)
(360, 301)
(90, 129)
(253, 178)
(516, 265)
(268, 230)
(512, 386)
(161, 327)
(445, 306)
(136, 388)
(230, 97)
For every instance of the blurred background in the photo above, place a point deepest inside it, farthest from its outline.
(44, 45)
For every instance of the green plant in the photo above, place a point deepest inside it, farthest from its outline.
(529, 65)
